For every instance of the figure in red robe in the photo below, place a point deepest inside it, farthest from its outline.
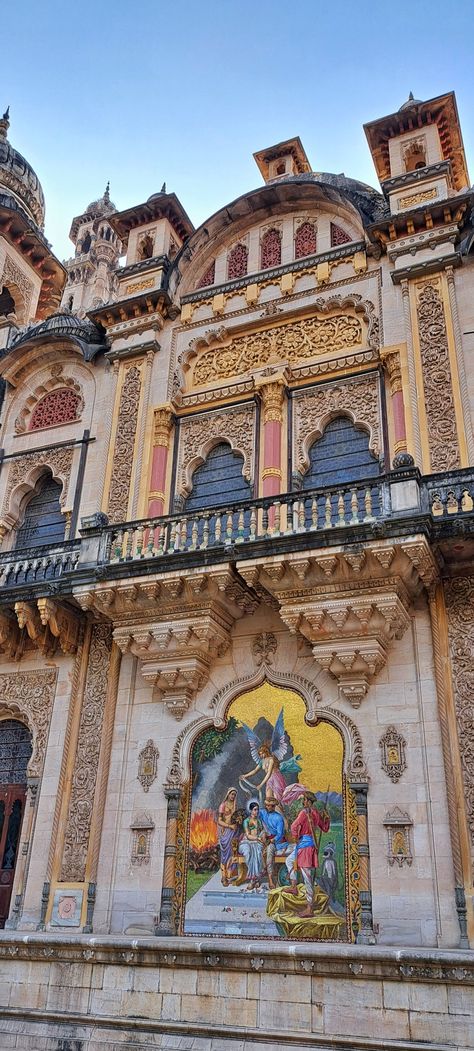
(304, 855)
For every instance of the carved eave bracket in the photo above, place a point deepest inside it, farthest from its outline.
(349, 603)
(176, 626)
(47, 623)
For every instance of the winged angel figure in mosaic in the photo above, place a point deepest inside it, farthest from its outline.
(269, 759)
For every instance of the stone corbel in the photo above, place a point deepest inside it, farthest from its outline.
(62, 622)
(10, 639)
(28, 617)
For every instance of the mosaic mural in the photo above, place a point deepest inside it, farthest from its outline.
(265, 825)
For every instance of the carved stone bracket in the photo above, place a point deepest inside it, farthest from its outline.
(63, 623)
(47, 624)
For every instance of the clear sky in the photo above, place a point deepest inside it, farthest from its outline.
(186, 91)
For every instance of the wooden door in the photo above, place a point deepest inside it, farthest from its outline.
(12, 805)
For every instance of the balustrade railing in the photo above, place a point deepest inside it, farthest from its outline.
(451, 493)
(34, 565)
(288, 514)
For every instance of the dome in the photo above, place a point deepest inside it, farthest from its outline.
(18, 177)
(410, 102)
(103, 206)
(63, 325)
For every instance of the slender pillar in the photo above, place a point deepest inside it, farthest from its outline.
(366, 935)
(392, 363)
(142, 425)
(411, 371)
(162, 427)
(272, 394)
(166, 924)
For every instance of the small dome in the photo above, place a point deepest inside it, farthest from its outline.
(63, 325)
(18, 177)
(410, 102)
(103, 206)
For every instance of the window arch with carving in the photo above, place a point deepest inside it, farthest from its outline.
(43, 521)
(270, 249)
(146, 247)
(305, 240)
(57, 407)
(339, 236)
(237, 261)
(339, 459)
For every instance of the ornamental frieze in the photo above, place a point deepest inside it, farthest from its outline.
(437, 385)
(459, 599)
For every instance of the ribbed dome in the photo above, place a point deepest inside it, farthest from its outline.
(18, 177)
(410, 102)
(103, 206)
(63, 325)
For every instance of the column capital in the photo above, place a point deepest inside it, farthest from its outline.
(392, 362)
(271, 389)
(163, 417)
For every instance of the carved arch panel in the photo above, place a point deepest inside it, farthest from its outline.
(200, 434)
(25, 472)
(29, 697)
(356, 399)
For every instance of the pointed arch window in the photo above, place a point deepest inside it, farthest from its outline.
(43, 521)
(237, 262)
(270, 249)
(305, 240)
(339, 460)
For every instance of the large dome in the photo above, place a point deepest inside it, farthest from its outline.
(19, 178)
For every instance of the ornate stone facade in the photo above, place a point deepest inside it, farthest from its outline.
(124, 444)
(437, 383)
(459, 597)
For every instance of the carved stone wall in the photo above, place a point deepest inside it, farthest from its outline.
(437, 386)
(359, 399)
(76, 841)
(199, 434)
(30, 694)
(459, 599)
(124, 444)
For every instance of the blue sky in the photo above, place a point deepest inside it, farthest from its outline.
(187, 91)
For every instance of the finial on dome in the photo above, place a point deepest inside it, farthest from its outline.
(411, 101)
(163, 188)
(5, 123)
(411, 97)
(107, 192)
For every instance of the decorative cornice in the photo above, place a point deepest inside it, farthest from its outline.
(428, 266)
(419, 175)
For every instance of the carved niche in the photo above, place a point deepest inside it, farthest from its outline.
(30, 694)
(358, 399)
(392, 746)
(76, 841)
(199, 434)
(141, 829)
(148, 765)
(459, 598)
(398, 826)
(124, 444)
(437, 386)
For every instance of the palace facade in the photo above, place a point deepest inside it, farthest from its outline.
(236, 610)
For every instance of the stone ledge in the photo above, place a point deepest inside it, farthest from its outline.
(253, 1037)
(451, 967)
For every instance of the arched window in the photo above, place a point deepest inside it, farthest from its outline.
(15, 752)
(305, 240)
(58, 406)
(219, 480)
(86, 244)
(7, 302)
(208, 277)
(270, 249)
(415, 157)
(338, 236)
(146, 248)
(341, 458)
(237, 262)
(43, 522)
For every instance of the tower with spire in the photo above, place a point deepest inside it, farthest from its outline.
(91, 271)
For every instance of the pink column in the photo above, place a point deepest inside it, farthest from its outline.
(392, 363)
(272, 394)
(162, 426)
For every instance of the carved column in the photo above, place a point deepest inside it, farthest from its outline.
(439, 399)
(272, 393)
(162, 428)
(392, 363)
(365, 935)
(166, 924)
(411, 371)
(141, 428)
(466, 408)
(123, 442)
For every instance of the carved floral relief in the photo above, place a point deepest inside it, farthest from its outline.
(459, 598)
(437, 386)
(124, 444)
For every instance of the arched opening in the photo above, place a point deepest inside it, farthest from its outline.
(15, 751)
(57, 407)
(7, 302)
(43, 522)
(219, 480)
(86, 244)
(146, 248)
(270, 249)
(339, 459)
(415, 157)
(268, 818)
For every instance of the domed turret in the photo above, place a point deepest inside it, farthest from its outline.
(18, 178)
(410, 102)
(103, 206)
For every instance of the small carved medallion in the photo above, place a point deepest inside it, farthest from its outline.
(148, 765)
(393, 746)
(398, 825)
(263, 648)
(142, 829)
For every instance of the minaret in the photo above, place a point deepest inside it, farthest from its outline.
(91, 272)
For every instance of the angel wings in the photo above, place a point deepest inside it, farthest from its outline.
(279, 744)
